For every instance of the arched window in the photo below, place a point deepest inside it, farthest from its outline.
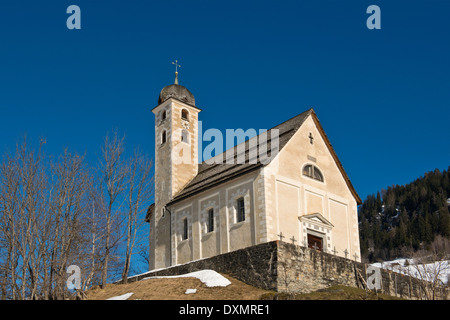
(185, 136)
(163, 116)
(184, 114)
(163, 137)
(312, 172)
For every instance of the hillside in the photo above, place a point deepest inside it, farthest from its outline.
(191, 288)
(401, 220)
(175, 289)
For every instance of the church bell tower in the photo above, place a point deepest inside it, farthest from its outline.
(176, 162)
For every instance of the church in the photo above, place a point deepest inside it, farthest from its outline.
(302, 195)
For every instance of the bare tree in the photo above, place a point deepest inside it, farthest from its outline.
(9, 188)
(430, 267)
(58, 211)
(140, 191)
(95, 230)
(22, 185)
(43, 203)
(68, 207)
(113, 173)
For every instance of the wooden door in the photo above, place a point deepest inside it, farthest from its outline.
(314, 242)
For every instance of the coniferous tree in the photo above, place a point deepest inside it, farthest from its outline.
(444, 221)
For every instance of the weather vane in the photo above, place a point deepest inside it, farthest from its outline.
(176, 70)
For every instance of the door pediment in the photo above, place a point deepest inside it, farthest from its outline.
(316, 219)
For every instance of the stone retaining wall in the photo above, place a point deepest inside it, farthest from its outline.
(284, 267)
(305, 270)
(254, 265)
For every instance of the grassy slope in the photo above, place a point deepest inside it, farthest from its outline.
(174, 289)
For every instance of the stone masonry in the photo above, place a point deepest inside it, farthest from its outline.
(284, 267)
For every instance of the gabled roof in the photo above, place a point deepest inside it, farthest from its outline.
(336, 159)
(210, 175)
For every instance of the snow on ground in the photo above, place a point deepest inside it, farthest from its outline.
(154, 270)
(421, 271)
(122, 297)
(189, 291)
(209, 277)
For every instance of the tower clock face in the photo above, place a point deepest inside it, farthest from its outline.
(186, 124)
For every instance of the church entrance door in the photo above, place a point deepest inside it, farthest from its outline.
(315, 242)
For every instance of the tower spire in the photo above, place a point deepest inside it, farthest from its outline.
(176, 70)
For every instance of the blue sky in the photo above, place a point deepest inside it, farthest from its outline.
(382, 96)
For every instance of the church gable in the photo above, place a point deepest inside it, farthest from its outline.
(309, 157)
(336, 159)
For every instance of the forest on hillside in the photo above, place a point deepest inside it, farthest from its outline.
(401, 220)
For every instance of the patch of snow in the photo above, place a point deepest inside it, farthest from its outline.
(209, 277)
(122, 297)
(422, 271)
(189, 291)
(159, 269)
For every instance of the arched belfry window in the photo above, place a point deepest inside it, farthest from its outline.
(185, 114)
(312, 172)
(164, 115)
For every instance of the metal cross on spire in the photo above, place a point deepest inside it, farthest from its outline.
(176, 70)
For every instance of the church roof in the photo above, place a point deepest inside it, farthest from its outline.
(210, 175)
